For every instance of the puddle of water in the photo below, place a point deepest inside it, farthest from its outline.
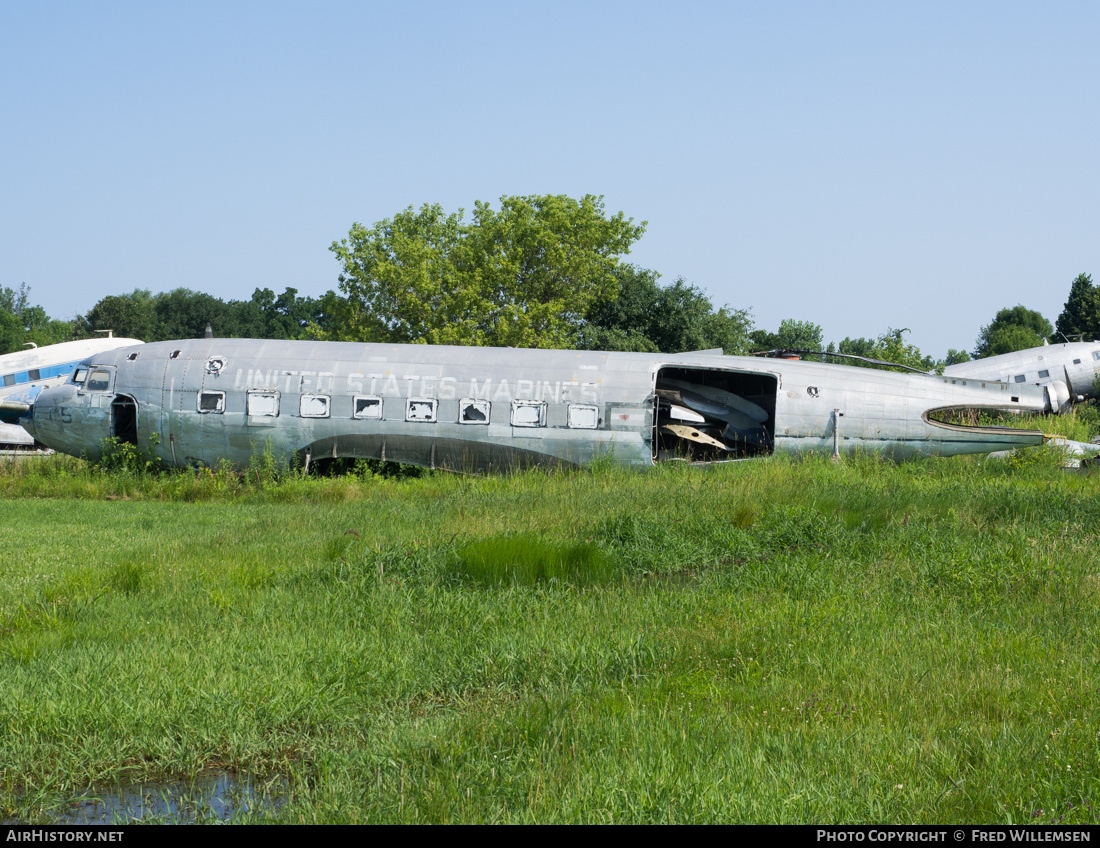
(210, 797)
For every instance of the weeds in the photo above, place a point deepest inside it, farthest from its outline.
(773, 641)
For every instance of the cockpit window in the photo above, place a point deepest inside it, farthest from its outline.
(98, 381)
(80, 375)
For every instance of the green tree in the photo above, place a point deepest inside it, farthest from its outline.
(22, 323)
(645, 316)
(888, 347)
(131, 316)
(792, 334)
(523, 277)
(1081, 314)
(1012, 329)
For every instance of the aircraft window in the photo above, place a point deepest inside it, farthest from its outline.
(366, 406)
(1044, 374)
(212, 402)
(174, 354)
(528, 413)
(80, 375)
(35, 374)
(263, 404)
(1096, 354)
(583, 417)
(98, 381)
(132, 357)
(314, 406)
(473, 411)
(1019, 378)
(1077, 362)
(420, 409)
(9, 379)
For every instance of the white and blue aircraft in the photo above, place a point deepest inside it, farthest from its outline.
(26, 373)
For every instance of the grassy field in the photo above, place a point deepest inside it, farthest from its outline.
(762, 642)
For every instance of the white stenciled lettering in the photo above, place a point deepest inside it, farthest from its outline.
(502, 392)
(588, 392)
(290, 375)
(476, 392)
(548, 391)
(412, 378)
(389, 387)
(355, 382)
(447, 388)
(524, 388)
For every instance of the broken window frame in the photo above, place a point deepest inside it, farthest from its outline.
(217, 409)
(258, 394)
(539, 405)
(479, 404)
(578, 408)
(306, 398)
(433, 405)
(362, 416)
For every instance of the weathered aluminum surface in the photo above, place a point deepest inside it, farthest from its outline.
(1069, 370)
(880, 411)
(27, 373)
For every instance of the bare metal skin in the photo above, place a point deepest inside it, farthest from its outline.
(205, 401)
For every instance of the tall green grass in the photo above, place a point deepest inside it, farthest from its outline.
(772, 641)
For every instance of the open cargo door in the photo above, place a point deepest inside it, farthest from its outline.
(710, 415)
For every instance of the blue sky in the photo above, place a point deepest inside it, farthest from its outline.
(860, 165)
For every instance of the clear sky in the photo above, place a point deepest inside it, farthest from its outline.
(859, 165)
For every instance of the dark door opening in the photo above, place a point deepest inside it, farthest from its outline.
(704, 415)
(124, 419)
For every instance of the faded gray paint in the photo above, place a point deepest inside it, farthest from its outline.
(882, 411)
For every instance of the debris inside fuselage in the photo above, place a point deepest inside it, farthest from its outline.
(725, 415)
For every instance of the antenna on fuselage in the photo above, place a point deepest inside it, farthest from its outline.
(110, 333)
(209, 334)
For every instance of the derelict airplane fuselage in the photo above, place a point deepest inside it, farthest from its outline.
(25, 374)
(204, 401)
(1066, 372)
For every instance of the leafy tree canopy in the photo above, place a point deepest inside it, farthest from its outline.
(889, 347)
(797, 335)
(523, 277)
(645, 316)
(183, 314)
(1012, 329)
(1081, 314)
(22, 323)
